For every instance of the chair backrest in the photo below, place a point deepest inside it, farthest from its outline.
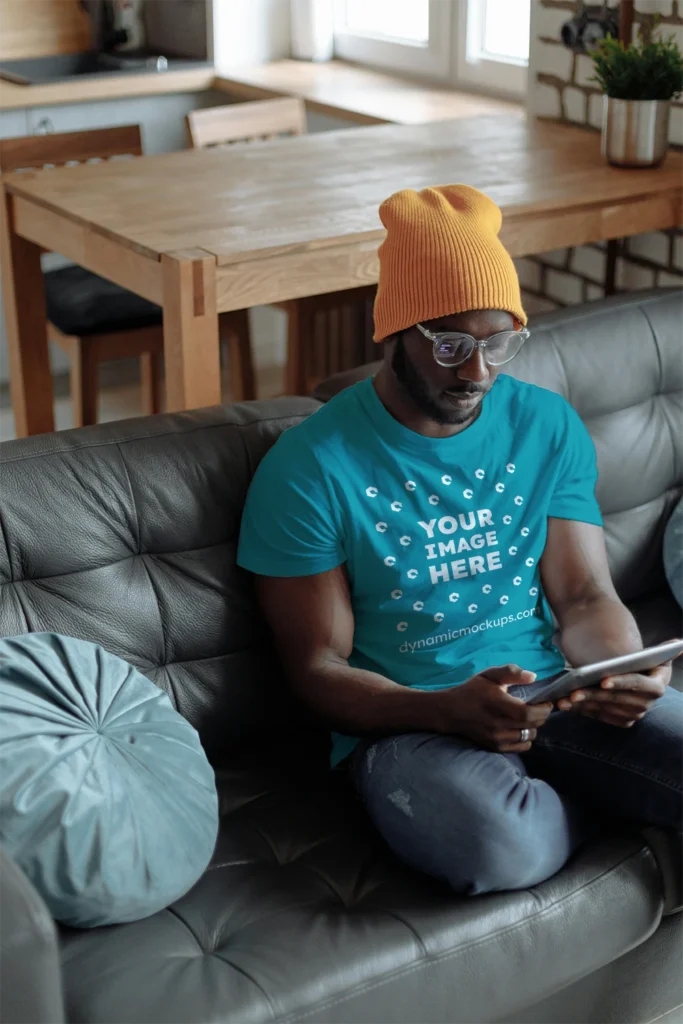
(54, 150)
(246, 122)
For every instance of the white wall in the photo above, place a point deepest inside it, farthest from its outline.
(249, 32)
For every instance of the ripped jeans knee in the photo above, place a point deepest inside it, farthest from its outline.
(471, 817)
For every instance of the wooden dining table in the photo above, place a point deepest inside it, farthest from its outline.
(203, 232)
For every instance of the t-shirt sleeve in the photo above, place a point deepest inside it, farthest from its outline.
(574, 493)
(288, 526)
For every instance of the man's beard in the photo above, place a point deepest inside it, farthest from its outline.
(430, 402)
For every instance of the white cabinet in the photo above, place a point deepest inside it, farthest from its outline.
(13, 123)
(162, 118)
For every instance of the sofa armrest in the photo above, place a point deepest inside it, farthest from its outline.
(30, 977)
(667, 848)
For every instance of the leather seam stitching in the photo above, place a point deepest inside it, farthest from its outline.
(658, 350)
(3, 532)
(174, 913)
(634, 299)
(157, 602)
(241, 427)
(413, 931)
(18, 595)
(659, 1017)
(673, 490)
(118, 561)
(132, 497)
(240, 970)
(452, 954)
(655, 342)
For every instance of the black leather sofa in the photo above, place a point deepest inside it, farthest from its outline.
(125, 534)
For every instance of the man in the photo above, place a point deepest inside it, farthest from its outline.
(410, 540)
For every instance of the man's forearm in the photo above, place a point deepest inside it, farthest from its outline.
(596, 629)
(355, 701)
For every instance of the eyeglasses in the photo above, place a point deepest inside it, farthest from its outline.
(454, 349)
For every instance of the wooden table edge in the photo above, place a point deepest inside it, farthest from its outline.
(352, 262)
(106, 255)
(12, 186)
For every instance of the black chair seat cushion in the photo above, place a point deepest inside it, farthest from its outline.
(304, 915)
(81, 303)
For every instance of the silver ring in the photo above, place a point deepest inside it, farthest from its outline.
(524, 735)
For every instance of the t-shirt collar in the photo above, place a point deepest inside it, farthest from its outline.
(396, 434)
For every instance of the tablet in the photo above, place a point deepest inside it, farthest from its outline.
(592, 675)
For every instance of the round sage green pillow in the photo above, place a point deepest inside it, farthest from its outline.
(107, 800)
(673, 552)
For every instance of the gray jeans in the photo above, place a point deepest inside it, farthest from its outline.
(486, 822)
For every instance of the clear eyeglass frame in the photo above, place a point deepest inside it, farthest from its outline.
(455, 338)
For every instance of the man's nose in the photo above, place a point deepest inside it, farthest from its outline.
(475, 369)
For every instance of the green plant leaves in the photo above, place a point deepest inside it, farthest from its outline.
(649, 70)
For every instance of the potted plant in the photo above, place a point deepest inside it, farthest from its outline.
(639, 81)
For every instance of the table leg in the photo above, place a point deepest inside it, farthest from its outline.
(23, 292)
(191, 350)
(299, 337)
(613, 250)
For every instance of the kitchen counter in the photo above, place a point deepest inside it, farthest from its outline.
(341, 90)
(359, 94)
(84, 89)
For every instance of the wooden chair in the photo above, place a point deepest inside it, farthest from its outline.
(246, 122)
(310, 321)
(92, 319)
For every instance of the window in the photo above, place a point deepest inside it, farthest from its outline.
(405, 20)
(480, 43)
(402, 35)
(492, 44)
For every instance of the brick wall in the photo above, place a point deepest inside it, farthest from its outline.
(560, 88)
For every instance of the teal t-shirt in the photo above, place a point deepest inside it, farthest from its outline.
(442, 537)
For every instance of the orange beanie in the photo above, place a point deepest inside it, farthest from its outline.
(441, 256)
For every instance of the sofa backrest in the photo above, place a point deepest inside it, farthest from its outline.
(620, 364)
(125, 534)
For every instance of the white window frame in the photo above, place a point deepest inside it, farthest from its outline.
(453, 55)
(473, 69)
(426, 60)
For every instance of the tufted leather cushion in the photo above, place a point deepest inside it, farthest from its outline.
(81, 303)
(303, 916)
(126, 535)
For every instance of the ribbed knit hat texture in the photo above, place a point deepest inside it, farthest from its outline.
(441, 256)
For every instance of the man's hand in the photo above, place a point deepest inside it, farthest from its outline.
(620, 700)
(485, 713)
